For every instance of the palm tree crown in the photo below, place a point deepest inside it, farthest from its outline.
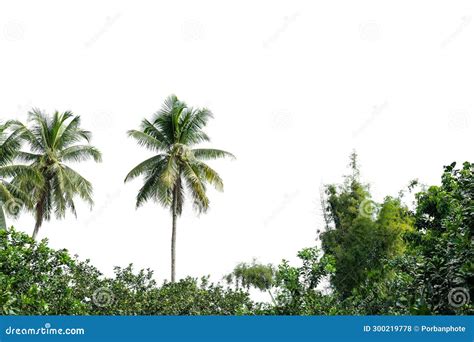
(176, 166)
(53, 141)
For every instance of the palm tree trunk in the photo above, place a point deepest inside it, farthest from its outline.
(39, 221)
(39, 215)
(36, 230)
(173, 235)
(3, 223)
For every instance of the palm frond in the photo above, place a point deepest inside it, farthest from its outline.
(59, 193)
(155, 190)
(58, 127)
(147, 140)
(146, 167)
(211, 153)
(18, 194)
(5, 194)
(167, 119)
(148, 128)
(79, 184)
(20, 171)
(209, 175)
(9, 145)
(192, 132)
(27, 156)
(71, 133)
(78, 153)
(196, 187)
(170, 172)
(40, 127)
(36, 144)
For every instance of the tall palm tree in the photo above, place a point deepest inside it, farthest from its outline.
(177, 165)
(10, 196)
(53, 141)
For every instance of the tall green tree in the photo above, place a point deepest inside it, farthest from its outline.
(442, 270)
(361, 234)
(54, 141)
(177, 165)
(435, 272)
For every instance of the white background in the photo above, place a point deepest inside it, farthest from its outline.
(294, 86)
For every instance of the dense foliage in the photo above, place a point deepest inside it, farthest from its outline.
(388, 259)
(37, 280)
(375, 258)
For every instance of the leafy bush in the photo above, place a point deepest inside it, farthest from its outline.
(38, 280)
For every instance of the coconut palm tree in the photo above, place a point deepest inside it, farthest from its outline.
(10, 196)
(177, 165)
(54, 141)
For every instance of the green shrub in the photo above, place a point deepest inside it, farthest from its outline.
(38, 280)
